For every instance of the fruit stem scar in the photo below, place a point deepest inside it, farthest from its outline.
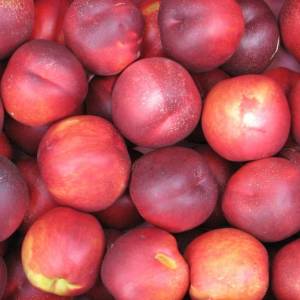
(166, 261)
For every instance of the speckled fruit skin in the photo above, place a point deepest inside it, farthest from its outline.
(173, 188)
(106, 35)
(121, 215)
(14, 198)
(99, 98)
(201, 35)
(17, 17)
(294, 100)
(40, 200)
(159, 108)
(49, 18)
(81, 152)
(260, 41)
(285, 272)
(227, 264)
(3, 277)
(18, 287)
(290, 26)
(221, 170)
(63, 244)
(151, 46)
(42, 83)
(246, 118)
(259, 197)
(145, 263)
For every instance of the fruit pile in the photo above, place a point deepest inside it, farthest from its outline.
(150, 149)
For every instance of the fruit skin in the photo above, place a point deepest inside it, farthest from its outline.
(41, 200)
(260, 195)
(49, 17)
(290, 26)
(14, 198)
(227, 264)
(260, 41)
(5, 147)
(285, 272)
(18, 286)
(62, 252)
(121, 215)
(201, 35)
(81, 152)
(275, 6)
(294, 100)
(145, 264)
(3, 276)
(159, 108)
(221, 170)
(99, 98)
(17, 17)
(42, 83)
(105, 35)
(175, 183)
(246, 118)
(151, 46)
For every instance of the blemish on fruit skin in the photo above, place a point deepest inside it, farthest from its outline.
(166, 260)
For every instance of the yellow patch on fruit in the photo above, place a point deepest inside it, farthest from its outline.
(151, 8)
(57, 286)
(167, 261)
(196, 294)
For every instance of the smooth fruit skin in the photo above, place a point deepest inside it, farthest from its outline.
(42, 83)
(200, 34)
(62, 252)
(14, 198)
(159, 108)
(173, 188)
(145, 264)
(41, 200)
(3, 276)
(294, 100)
(227, 264)
(121, 215)
(49, 18)
(246, 118)
(84, 162)
(99, 98)
(290, 26)
(106, 35)
(285, 272)
(151, 46)
(260, 41)
(17, 17)
(259, 197)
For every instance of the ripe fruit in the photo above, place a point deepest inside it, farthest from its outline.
(201, 35)
(42, 83)
(227, 264)
(106, 35)
(175, 183)
(84, 162)
(259, 197)
(159, 108)
(62, 251)
(246, 118)
(145, 264)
